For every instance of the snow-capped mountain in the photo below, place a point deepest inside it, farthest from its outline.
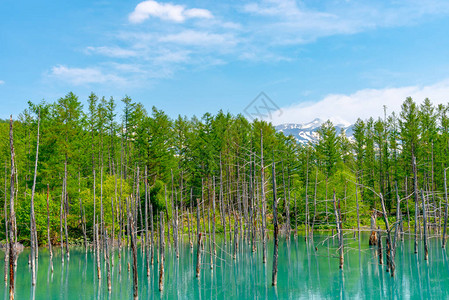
(307, 132)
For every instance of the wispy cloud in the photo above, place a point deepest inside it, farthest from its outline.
(255, 31)
(166, 11)
(81, 76)
(293, 22)
(111, 51)
(199, 38)
(365, 103)
(2, 82)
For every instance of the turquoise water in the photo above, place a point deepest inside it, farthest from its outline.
(303, 274)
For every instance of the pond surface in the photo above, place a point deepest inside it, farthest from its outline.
(303, 273)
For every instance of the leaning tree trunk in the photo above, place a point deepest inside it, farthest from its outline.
(388, 238)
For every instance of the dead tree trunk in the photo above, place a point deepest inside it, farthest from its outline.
(48, 229)
(379, 246)
(152, 234)
(83, 224)
(211, 251)
(236, 235)
(6, 227)
(339, 231)
(61, 214)
(262, 194)
(94, 217)
(134, 252)
(314, 205)
(97, 254)
(168, 219)
(213, 218)
(66, 211)
(108, 263)
(276, 230)
(424, 212)
(33, 237)
(198, 256)
(373, 237)
(357, 204)
(307, 206)
(12, 216)
(223, 216)
(396, 232)
(162, 252)
(415, 189)
(189, 227)
(198, 251)
(147, 254)
(445, 211)
(388, 238)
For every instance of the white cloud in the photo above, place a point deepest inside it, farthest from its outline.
(362, 104)
(198, 13)
(199, 38)
(168, 56)
(2, 82)
(112, 51)
(166, 11)
(80, 76)
(294, 22)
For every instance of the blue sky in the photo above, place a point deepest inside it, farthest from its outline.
(329, 59)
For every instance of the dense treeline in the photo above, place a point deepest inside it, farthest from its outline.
(93, 156)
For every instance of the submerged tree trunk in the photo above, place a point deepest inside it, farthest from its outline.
(97, 254)
(213, 218)
(388, 229)
(445, 211)
(6, 227)
(262, 195)
(108, 263)
(33, 233)
(147, 254)
(424, 211)
(152, 234)
(12, 216)
(415, 190)
(61, 232)
(339, 230)
(396, 232)
(134, 253)
(379, 246)
(276, 231)
(198, 256)
(48, 229)
(162, 252)
(66, 211)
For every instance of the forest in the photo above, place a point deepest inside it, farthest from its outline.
(78, 174)
(212, 156)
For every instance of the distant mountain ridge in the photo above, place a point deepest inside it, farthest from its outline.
(307, 132)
